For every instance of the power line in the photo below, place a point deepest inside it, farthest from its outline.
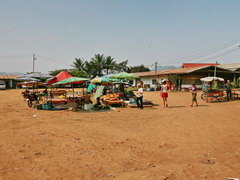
(53, 60)
(209, 55)
(221, 54)
(15, 56)
(214, 50)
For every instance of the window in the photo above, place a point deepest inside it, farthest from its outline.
(154, 81)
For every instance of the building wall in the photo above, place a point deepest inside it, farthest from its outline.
(149, 80)
(10, 83)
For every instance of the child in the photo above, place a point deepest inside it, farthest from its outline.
(194, 94)
(164, 93)
(139, 95)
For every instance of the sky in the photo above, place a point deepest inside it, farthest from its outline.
(169, 32)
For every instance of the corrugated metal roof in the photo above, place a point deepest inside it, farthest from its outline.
(188, 65)
(175, 71)
(233, 67)
(167, 71)
(9, 76)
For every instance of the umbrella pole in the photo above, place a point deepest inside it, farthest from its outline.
(37, 85)
(73, 90)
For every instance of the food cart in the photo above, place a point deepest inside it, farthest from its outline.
(213, 89)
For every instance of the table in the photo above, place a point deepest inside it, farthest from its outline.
(109, 103)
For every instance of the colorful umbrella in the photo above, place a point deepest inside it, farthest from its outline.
(101, 81)
(124, 75)
(59, 77)
(72, 80)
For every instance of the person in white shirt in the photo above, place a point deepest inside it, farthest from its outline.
(139, 95)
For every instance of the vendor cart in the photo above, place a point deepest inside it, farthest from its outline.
(213, 89)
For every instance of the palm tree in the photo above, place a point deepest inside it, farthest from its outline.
(79, 64)
(98, 62)
(90, 69)
(109, 64)
(79, 68)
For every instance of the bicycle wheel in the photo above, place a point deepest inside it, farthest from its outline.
(29, 103)
(204, 97)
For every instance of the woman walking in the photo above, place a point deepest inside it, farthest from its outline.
(194, 95)
(164, 93)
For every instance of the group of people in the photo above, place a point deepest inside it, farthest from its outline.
(164, 93)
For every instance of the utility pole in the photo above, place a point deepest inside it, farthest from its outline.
(156, 68)
(34, 59)
(215, 70)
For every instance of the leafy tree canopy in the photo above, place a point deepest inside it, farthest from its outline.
(140, 68)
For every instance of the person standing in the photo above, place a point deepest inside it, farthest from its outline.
(194, 95)
(229, 90)
(164, 93)
(139, 95)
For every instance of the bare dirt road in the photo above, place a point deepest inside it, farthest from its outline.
(177, 143)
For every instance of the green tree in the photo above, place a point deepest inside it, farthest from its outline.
(79, 64)
(109, 65)
(57, 71)
(140, 68)
(90, 69)
(122, 67)
(77, 73)
(79, 68)
(97, 64)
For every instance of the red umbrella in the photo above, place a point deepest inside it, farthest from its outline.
(61, 76)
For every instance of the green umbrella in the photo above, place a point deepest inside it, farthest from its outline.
(72, 80)
(124, 75)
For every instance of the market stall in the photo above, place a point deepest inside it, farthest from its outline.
(213, 89)
(113, 99)
(70, 101)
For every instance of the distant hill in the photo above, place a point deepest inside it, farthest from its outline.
(164, 68)
(17, 73)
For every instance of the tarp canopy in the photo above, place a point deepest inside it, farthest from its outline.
(59, 77)
(99, 92)
(91, 87)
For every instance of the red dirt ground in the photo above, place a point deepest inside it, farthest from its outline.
(177, 143)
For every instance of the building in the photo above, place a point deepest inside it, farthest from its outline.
(232, 67)
(184, 77)
(188, 65)
(9, 80)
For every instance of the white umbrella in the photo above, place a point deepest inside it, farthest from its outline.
(209, 79)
